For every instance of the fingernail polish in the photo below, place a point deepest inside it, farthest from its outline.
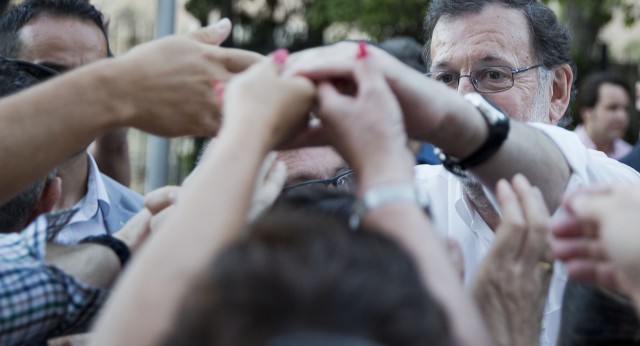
(280, 56)
(362, 50)
(218, 88)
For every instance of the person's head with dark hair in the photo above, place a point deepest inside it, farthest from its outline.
(521, 35)
(62, 33)
(405, 49)
(603, 103)
(39, 197)
(303, 277)
(593, 316)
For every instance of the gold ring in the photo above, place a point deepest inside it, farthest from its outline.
(545, 265)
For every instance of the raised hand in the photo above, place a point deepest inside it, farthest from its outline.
(598, 240)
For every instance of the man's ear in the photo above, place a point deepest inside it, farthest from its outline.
(50, 195)
(560, 92)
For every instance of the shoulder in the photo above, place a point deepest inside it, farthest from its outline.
(120, 194)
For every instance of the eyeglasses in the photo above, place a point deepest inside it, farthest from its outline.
(38, 71)
(485, 79)
(345, 181)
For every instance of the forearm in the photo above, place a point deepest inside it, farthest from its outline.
(545, 166)
(203, 223)
(408, 225)
(46, 124)
(94, 265)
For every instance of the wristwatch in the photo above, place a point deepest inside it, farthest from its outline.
(388, 193)
(498, 123)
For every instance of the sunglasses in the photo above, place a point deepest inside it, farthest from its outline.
(38, 71)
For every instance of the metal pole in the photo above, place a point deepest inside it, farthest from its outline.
(157, 160)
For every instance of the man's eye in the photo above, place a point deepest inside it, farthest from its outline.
(446, 78)
(491, 74)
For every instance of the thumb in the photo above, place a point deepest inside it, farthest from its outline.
(213, 34)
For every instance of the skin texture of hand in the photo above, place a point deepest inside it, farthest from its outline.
(336, 62)
(367, 128)
(368, 131)
(598, 240)
(168, 82)
(162, 87)
(279, 106)
(512, 283)
(437, 114)
(192, 234)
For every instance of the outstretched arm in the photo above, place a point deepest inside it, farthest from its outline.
(438, 115)
(210, 209)
(367, 130)
(163, 87)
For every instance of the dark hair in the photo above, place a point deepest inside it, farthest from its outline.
(405, 49)
(18, 16)
(307, 272)
(550, 39)
(14, 213)
(592, 316)
(589, 90)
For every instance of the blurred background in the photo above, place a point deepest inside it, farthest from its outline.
(606, 36)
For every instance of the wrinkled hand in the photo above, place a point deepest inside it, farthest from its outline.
(424, 102)
(599, 241)
(264, 105)
(512, 282)
(165, 86)
(366, 128)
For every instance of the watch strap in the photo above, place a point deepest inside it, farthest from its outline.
(116, 245)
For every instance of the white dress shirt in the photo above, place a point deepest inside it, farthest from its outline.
(455, 218)
(89, 219)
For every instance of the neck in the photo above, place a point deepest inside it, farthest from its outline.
(474, 194)
(74, 174)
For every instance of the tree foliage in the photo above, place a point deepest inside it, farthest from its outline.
(268, 24)
(585, 19)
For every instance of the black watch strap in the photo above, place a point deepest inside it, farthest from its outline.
(120, 248)
(498, 124)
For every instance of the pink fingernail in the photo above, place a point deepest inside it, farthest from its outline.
(218, 88)
(362, 50)
(280, 56)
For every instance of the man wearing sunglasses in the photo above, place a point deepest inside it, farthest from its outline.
(63, 35)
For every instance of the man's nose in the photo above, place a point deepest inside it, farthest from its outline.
(465, 86)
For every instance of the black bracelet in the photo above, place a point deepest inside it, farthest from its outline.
(121, 249)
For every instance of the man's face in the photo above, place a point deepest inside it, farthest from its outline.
(609, 118)
(62, 43)
(311, 164)
(496, 36)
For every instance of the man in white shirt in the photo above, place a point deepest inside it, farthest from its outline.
(517, 56)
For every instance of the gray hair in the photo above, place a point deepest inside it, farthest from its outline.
(550, 39)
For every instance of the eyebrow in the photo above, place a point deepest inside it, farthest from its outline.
(55, 66)
(442, 65)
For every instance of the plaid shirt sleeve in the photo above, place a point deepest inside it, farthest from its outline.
(38, 301)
